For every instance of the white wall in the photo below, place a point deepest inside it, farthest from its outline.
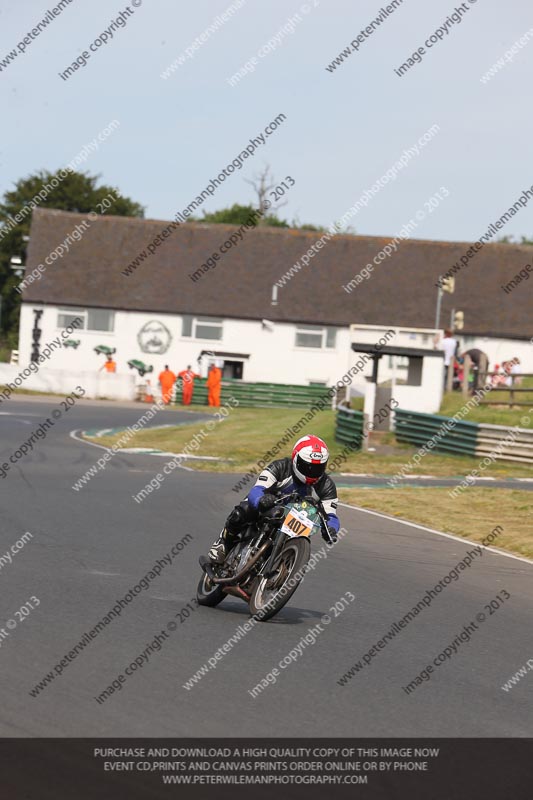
(499, 350)
(273, 355)
(427, 397)
(113, 387)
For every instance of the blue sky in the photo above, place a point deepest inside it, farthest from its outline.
(343, 129)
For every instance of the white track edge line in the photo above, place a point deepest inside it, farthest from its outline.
(73, 433)
(439, 533)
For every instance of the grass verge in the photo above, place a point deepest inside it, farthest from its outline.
(492, 415)
(473, 514)
(247, 434)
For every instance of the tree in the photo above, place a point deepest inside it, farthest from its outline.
(307, 226)
(74, 192)
(237, 214)
(234, 215)
(263, 183)
(240, 215)
(514, 240)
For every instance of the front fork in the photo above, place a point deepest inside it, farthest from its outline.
(279, 541)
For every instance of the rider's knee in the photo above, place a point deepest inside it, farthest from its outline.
(237, 518)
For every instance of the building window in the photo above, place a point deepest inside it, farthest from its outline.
(201, 327)
(65, 317)
(402, 362)
(315, 336)
(99, 319)
(92, 319)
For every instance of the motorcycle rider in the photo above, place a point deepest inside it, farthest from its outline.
(304, 472)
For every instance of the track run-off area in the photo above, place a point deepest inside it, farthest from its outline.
(88, 548)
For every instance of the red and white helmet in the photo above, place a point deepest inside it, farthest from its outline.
(309, 459)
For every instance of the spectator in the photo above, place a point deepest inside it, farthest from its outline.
(458, 373)
(109, 365)
(498, 376)
(214, 379)
(187, 376)
(480, 363)
(514, 371)
(167, 379)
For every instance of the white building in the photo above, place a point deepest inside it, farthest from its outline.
(159, 314)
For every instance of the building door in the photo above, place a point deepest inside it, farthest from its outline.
(232, 369)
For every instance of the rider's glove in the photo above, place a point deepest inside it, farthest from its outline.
(331, 536)
(266, 502)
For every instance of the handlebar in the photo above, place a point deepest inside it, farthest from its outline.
(294, 496)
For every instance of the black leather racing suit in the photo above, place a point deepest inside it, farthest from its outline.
(278, 478)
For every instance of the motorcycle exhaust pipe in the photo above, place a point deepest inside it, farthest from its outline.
(236, 591)
(208, 569)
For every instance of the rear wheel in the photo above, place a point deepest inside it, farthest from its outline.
(271, 594)
(209, 593)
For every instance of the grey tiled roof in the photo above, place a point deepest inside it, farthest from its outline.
(401, 291)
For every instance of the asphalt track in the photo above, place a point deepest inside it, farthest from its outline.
(90, 547)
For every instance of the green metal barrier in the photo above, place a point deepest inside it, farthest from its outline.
(349, 427)
(258, 395)
(467, 438)
(417, 428)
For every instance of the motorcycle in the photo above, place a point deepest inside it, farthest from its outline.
(268, 559)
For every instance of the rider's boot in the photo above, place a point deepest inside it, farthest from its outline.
(220, 548)
(234, 523)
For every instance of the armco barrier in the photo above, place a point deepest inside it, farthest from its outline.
(349, 427)
(418, 428)
(258, 395)
(467, 438)
(520, 448)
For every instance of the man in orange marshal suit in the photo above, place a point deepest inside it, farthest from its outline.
(214, 379)
(187, 376)
(109, 365)
(167, 379)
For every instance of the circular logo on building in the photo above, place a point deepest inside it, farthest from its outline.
(154, 337)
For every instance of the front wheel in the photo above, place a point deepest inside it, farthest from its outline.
(271, 594)
(209, 593)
